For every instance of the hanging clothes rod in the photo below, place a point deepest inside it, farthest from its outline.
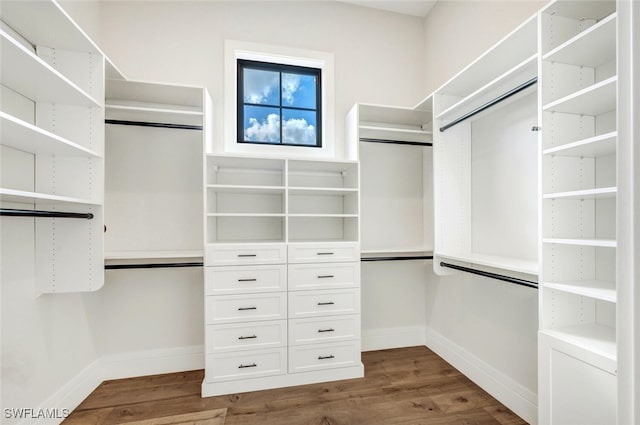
(10, 212)
(151, 266)
(395, 142)
(154, 124)
(515, 280)
(491, 103)
(406, 258)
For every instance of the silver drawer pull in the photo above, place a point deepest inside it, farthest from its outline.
(326, 303)
(247, 308)
(243, 366)
(246, 255)
(324, 253)
(248, 337)
(326, 330)
(325, 276)
(326, 357)
(247, 280)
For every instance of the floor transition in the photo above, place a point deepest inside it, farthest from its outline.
(408, 386)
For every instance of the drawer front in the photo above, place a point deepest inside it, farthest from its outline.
(324, 252)
(245, 308)
(245, 279)
(246, 336)
(306, 358)
(323, 276)
(238, 254)
(323, 303)
(245, 364)
(324, 329)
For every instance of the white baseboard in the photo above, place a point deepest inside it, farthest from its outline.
(386, 338)
(152, 362)
(516, 397)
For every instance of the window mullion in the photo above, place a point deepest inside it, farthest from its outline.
(281, 114)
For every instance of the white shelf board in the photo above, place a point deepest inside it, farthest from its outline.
(398, 130)
(140, 255)
(324, 215)
(592, 47)
(519, 74)
(266, 215)
(131, 106)
(46, 23)
(21, 196)
(397, 252)
(593, 100)
(27, 137)
(601, 145)
(165, 96)
(387, 115)
(580, 10)
(22, 71)
(600, 193)
(601, 290)
(321, 191)
(593, 337)
(229, 188)
(245, 241)
(505, 263)
(603, 243)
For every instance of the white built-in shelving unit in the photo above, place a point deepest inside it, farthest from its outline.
(52, 140)
(485, 163)
(578, 181)
(155, 138)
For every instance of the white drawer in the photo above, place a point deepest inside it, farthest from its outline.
(323, 252)
(245, 364)
(306, 358)
(323, 303)
(245, 308)
(324, 329)
(245, 279)
(323, 276)
(246, 336)
(237, 254)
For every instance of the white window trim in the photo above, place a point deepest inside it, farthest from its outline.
(235, 50)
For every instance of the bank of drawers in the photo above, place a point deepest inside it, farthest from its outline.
(272, 309)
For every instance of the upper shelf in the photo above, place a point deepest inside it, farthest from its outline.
(154, 96)
(46, 23)
(21, 196)
(580, 10)
(24, 72)
(592, 47)
(505, 263)
(593, 100)
(27, 137)
(152, 112)
(600, 145)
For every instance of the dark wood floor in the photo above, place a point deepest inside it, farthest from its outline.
(408, 386)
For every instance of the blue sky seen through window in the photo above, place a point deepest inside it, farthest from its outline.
(262, 94)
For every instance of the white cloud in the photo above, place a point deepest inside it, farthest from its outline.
(258, 85)
(294, 130)
(290, 85)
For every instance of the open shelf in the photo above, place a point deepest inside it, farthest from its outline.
(230, 188)
(323, 174)
(505, 263)
(592, 337)
(311, 215)
(245, 215)
(593, 100)
(601, 193)
(603, 243)
(151, 112)
(591, 47)
(22, 71)
(601, 145)
(515, 76)
(598, 289)
(27, 137)
(21, 196)
(580, 10)
(240, 171)
(321, 191)
(140, 255)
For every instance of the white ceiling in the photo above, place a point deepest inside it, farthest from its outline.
(415, 8)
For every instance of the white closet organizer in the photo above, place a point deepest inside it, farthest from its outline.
(282, 275)
(52, 122)
(577, 344)
(485, 167)
(155, 138)
(394, 148)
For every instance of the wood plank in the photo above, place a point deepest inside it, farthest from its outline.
(207, 417)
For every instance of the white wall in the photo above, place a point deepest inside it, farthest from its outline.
(378, 59)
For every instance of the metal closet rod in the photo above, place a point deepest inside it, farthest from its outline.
(395, 142)
(154, 124)
(400, 258)
(515, 280)
(491, 103)
(151, 266)
(10, 212)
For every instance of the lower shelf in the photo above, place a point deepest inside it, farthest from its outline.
(593, 338)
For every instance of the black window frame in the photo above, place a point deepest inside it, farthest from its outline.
(280, 68)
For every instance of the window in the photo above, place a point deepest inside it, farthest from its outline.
(279, 104)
